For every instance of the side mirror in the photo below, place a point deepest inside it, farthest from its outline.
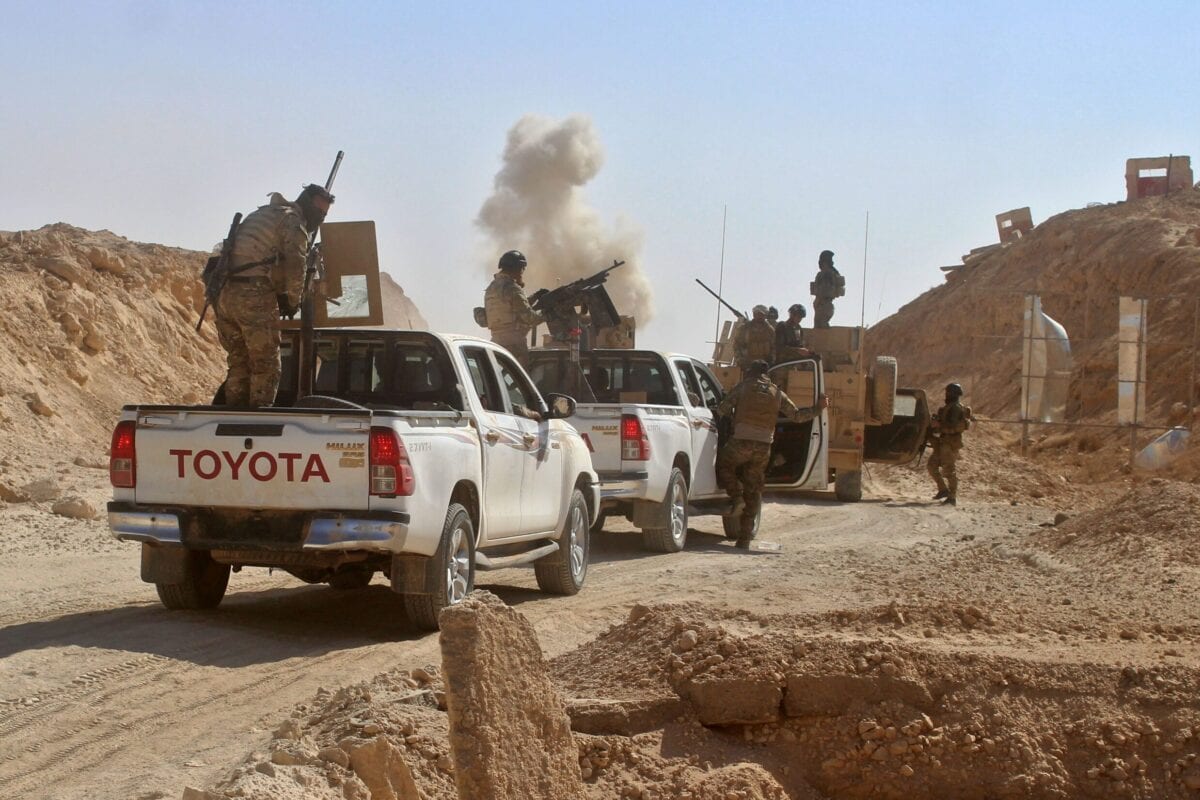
(560, 406)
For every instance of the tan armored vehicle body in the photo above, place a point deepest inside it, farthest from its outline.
(870, 419)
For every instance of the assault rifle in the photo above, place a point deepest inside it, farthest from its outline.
(216, 269)
(561, 306)
(736, 313)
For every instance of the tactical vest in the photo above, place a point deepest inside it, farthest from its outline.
(760, 338)
(499, 306)
(757, 405)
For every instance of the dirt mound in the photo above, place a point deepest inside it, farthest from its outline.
(90, 321)
(1079, 261)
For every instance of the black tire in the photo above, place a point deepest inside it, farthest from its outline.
(598, 525)
(847, 486)
(673, 537)
(883, 389)
(733, 525)
(455, 565)
(351, 578)
(564, 571)
(203, 586)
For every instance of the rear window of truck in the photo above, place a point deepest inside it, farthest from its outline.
(614, 376)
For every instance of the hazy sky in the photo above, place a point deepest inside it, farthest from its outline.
(158, 120)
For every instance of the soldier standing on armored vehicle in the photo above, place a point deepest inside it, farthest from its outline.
(826, 287)
(742, 463)
(947, 428)
(265, 282)
(509, 315)
(789, 336)
(755, 339)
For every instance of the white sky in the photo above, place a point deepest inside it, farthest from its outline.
(158, 120)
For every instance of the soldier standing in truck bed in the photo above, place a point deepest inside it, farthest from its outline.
(755, 339)
(742, 463)
(789, 336)
(826, 287)
(266, 279)
(509, 315)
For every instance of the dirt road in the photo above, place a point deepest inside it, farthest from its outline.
(108, 695)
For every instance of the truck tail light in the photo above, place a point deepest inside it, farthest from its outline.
(122, 456)
(391, 473)
(635, 445)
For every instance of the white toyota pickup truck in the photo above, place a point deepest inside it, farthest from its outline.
(654, 438)
(415, 457)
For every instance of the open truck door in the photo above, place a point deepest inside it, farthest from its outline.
(800, 454)
(899, 442)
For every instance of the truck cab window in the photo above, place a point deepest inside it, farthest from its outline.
(325, 376)
(483, 380)
(364, 364)
(687, 376)
(514, 384)
(709, 388)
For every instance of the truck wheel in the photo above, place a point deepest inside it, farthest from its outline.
(351, 578)
(733, 525)
(598, 525)
(847, 486)
(203, 585)
(455, 565)
(563, 572)
(883, 389)
(673, 537)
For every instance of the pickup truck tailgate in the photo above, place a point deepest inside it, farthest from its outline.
(600, 426)
(262, 460)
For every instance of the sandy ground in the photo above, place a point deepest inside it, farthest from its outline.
(108, 695)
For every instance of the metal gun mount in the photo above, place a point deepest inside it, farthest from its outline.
(564, 309)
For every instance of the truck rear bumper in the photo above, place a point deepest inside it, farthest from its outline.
(380, 531)
(624, 485)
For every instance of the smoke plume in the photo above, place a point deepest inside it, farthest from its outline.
(538, 207)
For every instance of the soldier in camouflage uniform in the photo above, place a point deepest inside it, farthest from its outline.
(789, 336)
(266, 279)
(742, 463)
(827, 286)
(509, 315)
(947, 430)
(755, 339)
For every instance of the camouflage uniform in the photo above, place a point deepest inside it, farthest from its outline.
(789, 341)
(742, 462)
(755, 340)
(274, 238)
(509, 315)
(825, 289)
(952, 421)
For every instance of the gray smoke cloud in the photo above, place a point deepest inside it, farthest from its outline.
(538, 207)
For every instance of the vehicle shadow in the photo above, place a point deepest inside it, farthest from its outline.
(252, 627)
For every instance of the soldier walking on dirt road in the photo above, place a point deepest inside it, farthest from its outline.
(509, 315)
(947, 428)
(826, 287)
(266, 280)
(742, 463)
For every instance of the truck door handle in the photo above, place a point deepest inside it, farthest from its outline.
(492, 437)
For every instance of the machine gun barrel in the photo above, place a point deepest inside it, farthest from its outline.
(546, 298)
(736, 313)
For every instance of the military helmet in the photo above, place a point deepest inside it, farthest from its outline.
(798, 308)
(759, 310)
(826, 255)
(315, 190)
(757, 367)
(513, 261)
(953, 391)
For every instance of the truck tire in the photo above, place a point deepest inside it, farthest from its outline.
(564, 571)
(203, 585)
(883, 389)
(672, 537)
(598, 525)
(847, 486)
(732, 525)
(351, 578)
(455, 565)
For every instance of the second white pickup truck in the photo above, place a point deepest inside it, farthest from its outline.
(418, 457)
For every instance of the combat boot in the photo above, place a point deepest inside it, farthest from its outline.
(942, 494)
(737, 509)
(950, 500)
